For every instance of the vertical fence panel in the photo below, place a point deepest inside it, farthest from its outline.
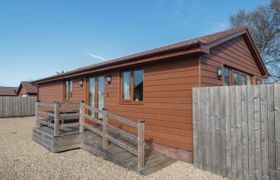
(202, 142)
(271, 132)
(13, 106)
(251, 152)
(237, 131)
(264, 133)
(238, 105)
(277, 127)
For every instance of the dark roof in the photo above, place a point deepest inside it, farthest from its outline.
(28, 87)
(204, 42)
(8, 91)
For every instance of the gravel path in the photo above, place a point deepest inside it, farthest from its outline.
(21, 158)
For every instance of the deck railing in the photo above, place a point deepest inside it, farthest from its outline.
(106, 127)
(57, 115)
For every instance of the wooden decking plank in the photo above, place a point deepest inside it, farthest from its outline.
(93, 143)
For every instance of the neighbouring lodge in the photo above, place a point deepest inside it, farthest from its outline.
(25, 89)
(156, 85)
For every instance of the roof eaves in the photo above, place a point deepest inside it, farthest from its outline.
(123, 60)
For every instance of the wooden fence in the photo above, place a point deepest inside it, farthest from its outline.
(236, 131)
(15, 106)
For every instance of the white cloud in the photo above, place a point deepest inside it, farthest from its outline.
(96, 56)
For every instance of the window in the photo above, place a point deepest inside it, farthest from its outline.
(132, 86)
(235, 78)
(68, 90)
(138, 85)
(243, 79)
(126, 85)
(91, 92)
(100, 95)
(249, 81)
(226, 76)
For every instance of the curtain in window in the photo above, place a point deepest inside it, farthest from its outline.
(126, 85)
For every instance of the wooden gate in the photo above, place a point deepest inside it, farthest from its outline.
(236, 131)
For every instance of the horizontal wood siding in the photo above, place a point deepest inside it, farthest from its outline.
(167, 101)
(51, 92)
(234, 53)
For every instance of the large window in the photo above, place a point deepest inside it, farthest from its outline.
(68, 90)
(235, 77)
(132, 86)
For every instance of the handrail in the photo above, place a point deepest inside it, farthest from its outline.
(106, 127)
(122, 119)
(93, 109)
(46, 104)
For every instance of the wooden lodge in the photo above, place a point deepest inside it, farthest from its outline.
(154, 87)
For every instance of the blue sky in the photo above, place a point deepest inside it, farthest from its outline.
(40, 37)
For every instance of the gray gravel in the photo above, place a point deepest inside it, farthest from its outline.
(21, 158)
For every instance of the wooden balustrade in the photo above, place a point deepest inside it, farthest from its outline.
(56, 117)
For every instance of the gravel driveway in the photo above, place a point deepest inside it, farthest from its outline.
(21, 158)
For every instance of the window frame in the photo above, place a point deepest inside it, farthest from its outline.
(131, 88)
(240, 74)
(68, 98)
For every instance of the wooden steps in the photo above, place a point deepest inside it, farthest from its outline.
(154, 160)
(68, 139)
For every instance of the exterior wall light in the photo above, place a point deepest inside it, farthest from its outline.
(220, 72)
(109, 79)
(81, 82)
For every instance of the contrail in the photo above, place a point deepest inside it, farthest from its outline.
(95, 56)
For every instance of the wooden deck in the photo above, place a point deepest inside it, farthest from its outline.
(68, 139)
(62, 130)
(154, 160)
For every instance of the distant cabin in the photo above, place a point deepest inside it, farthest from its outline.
(8, 91)
(156, 85)
(27, 89)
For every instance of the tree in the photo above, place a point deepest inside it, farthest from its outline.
(264, 25)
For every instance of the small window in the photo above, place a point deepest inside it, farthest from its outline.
(235, 78)
(68, 89)
(132, 86)
(226, 76)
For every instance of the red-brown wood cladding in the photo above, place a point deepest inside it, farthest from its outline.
(235, 54)
(167, 100)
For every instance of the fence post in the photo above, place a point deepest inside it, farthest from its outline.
(36, 115)
(105, 130)
(56, 118)
(141, 144)
(82, 112)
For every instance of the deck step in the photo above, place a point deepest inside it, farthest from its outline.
(68, 140)
(154, 160)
